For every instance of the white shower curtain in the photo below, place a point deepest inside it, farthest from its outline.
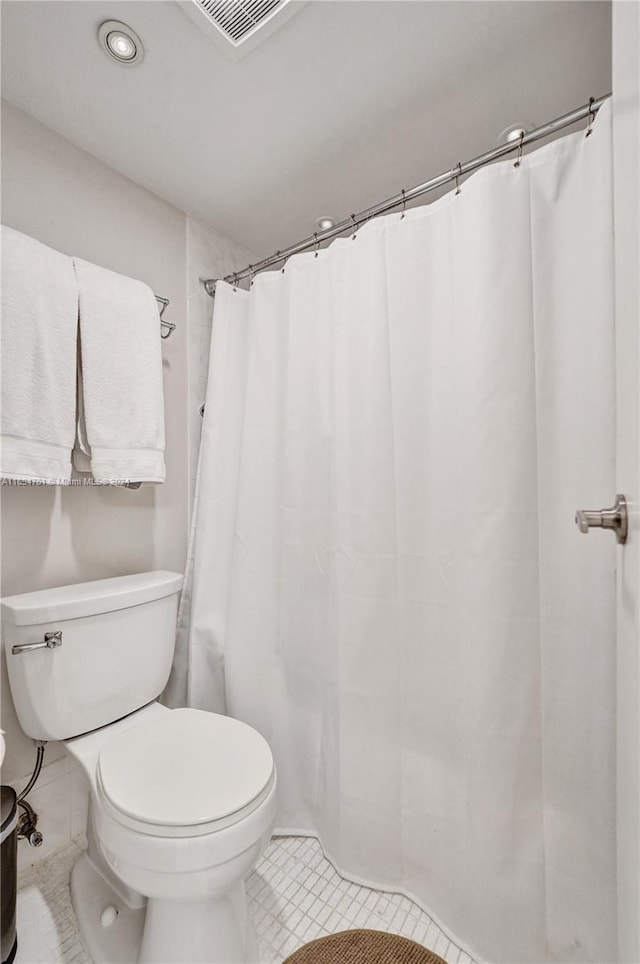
(388, 581)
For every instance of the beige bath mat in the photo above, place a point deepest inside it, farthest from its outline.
(363, 947)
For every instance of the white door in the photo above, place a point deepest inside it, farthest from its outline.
(626, 155)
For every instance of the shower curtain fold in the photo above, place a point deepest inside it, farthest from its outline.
(387, 580)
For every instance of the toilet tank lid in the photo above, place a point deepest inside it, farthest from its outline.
(89, 598)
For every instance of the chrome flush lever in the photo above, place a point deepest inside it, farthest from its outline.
(50, 641)
(615, 518)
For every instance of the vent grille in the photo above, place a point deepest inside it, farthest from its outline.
(238, 19)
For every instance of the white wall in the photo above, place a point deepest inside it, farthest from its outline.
(50, 536)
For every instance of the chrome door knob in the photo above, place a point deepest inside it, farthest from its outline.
(616, 518)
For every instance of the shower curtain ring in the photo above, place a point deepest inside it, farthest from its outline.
(317, 243)
(404, 204)
(459, 172)
(591, 117)
(355, 227)
(236, 282)
(251, 274)
(517, 163)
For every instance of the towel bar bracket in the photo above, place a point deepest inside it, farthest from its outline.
(167, 328)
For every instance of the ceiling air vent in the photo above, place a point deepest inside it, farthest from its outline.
(240, 24)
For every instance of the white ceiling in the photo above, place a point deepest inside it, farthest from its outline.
(348, 102)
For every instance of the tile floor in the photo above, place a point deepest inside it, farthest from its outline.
(47, 930)
(295, 895)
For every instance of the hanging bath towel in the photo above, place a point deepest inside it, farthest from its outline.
(39, 327)
(120, 402)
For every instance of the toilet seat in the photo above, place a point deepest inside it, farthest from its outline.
(184, 774)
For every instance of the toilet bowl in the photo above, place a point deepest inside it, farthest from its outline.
(182, 801)
(183, 804)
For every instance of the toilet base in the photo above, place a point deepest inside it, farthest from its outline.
(162, 932)
(215, 931)
(117, 941)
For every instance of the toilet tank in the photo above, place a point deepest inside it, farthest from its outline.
(117, 643)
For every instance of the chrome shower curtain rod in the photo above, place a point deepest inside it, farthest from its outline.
(352, 223)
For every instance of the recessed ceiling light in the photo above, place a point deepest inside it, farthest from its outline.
(120, 42)
(325, 224)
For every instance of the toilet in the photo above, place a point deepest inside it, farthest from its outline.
(182, 802)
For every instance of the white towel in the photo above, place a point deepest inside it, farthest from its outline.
(121, 405)
(39, 330)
